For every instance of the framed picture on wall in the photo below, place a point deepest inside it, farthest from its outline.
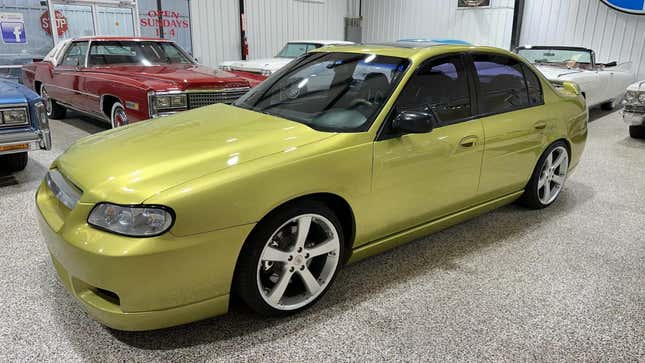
(470, 4)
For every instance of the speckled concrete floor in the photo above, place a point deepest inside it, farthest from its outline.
(565, 283)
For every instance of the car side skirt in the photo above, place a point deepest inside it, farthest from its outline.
(400, 238)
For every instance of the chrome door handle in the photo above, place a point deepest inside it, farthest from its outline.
(469, 141)
(540, 125)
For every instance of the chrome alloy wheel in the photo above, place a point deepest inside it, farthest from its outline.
(298, 262)
(553, 175)
(48, 101)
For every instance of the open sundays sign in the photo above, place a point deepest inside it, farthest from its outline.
(171, 20)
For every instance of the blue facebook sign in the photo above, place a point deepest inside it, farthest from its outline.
(13, 32)
(628, 6)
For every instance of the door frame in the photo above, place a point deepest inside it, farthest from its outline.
(93, 4)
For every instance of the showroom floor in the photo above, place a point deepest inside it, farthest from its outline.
(563, 283)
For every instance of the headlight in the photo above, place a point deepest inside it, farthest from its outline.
(15, 116)
(641, 98)
(132, 221)
(630, 96)
(162, 102)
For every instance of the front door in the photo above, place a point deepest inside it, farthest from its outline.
(68, 82)
(421, 177)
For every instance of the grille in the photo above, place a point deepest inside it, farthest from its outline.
(200, 99)
(635, 108)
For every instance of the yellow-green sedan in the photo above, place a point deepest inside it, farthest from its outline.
(346, 152)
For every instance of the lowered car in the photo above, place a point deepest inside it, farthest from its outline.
(260, 69)
(602, 84)
(347, 152)
(634, 111)
(123, 80)
(23, 125)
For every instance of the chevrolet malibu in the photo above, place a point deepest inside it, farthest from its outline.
(346, 152)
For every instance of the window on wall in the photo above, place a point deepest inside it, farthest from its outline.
(441, 88)
(171, 21)
(502, 87)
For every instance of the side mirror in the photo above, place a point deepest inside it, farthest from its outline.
(413, 122)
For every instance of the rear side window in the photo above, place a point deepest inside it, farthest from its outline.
(439, 87)
(502, 87)
(534, 87)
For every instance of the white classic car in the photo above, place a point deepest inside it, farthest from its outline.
(600, 83)
(291, 50)
(634, 112)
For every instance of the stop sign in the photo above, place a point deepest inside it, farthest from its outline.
(61, 22)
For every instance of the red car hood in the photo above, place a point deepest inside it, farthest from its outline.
(177, 76)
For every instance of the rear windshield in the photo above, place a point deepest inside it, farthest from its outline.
(145, 53)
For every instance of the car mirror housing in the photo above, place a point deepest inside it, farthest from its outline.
(413, 122)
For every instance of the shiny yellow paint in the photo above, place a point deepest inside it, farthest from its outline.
(222, 169)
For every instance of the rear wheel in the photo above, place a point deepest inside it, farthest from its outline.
(291, 259)
(14, 162)
(118, 117)
(637, 132)
(54, 110)
(548, 177)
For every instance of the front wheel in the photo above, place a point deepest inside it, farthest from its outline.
(548, 177)
(54, 110)
(118, 117)
(637, 132)
(15, 162)
(291, 259)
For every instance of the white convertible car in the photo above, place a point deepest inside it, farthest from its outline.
(601, 84)
(291, 50)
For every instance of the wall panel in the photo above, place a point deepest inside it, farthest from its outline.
(389, 20)
(614, 36)
(215, 30)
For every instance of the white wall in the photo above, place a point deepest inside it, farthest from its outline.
(216, 30)
(269, 24)
(390, 20)
(611, 34)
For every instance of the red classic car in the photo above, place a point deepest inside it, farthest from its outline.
(124, 80)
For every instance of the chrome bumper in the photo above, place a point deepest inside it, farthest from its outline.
(634, 119)
(34, 140)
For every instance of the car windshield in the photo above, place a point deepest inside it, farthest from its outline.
(337, 92)
(144, 53)
(560, 57)
(294, 50)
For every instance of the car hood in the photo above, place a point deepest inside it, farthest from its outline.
(638, 86)
(558, 73)
(130, 164)
(12, 93)
(178, 76)
(259, 65)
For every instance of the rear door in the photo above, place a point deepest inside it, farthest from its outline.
(509, 101)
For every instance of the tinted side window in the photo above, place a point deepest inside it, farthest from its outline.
(534, 87)
(501, 84)
(75, 54)
(439, 87)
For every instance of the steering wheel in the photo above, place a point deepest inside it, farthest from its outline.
(360, 101)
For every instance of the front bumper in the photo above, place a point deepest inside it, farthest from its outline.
(634, 119)
(25, 141)
(139, 283)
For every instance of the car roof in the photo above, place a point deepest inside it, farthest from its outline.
(556, 47)
(117, 38)
(439, 41)
(412, 50)
(324, 42)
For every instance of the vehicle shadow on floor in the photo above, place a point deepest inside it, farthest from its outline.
(85, 123)
(597, 113)
(356, 284)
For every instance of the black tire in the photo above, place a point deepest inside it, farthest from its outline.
(531, 196)
(54, 110)
(247, 275)
(637, 132)
(14, 162)
(608, 106)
